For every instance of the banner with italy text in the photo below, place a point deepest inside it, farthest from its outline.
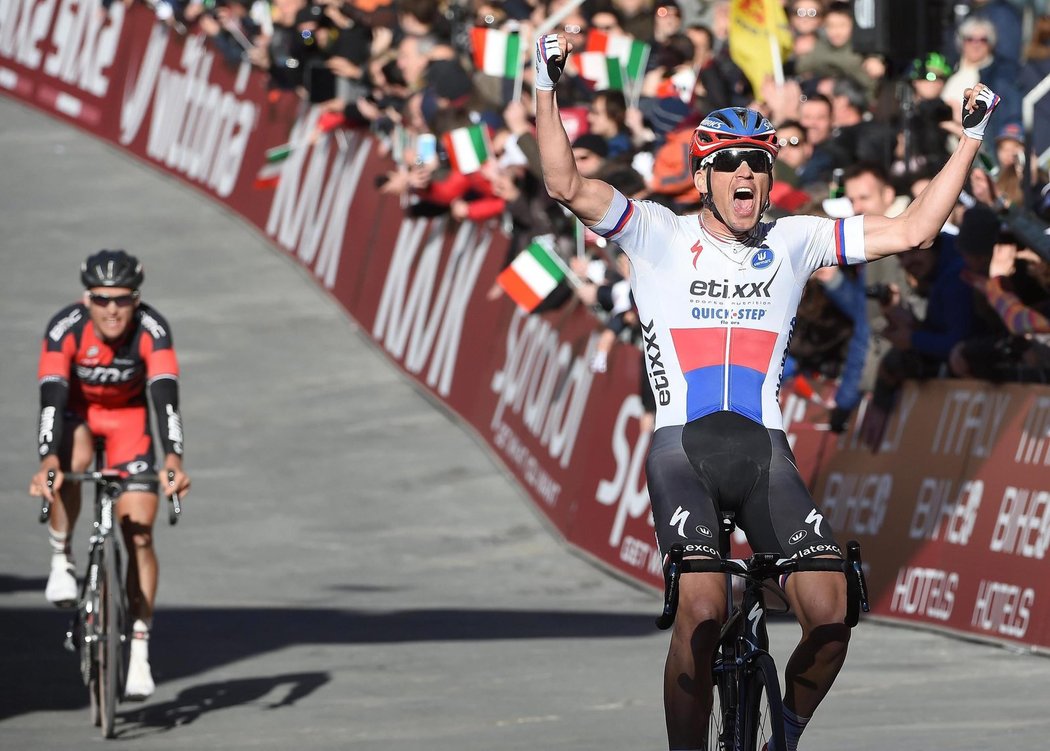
(759, 40)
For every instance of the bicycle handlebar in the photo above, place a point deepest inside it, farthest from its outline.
(762, 566)
(106, 476)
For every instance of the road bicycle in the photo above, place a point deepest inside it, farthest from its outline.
(748, 711)
(100, 627)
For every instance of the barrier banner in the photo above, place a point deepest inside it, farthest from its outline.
(953, 510)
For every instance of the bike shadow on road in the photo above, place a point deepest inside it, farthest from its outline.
(215, 696)
(41, 676)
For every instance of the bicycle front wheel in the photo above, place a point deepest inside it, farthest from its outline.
(721, 727)
(763, 708)
(109, 646)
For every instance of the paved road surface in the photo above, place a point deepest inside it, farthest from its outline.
(352, 571)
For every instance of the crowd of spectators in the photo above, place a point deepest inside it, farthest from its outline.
(861, 131)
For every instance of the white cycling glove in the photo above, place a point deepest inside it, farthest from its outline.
(549, 62)
(975, 122)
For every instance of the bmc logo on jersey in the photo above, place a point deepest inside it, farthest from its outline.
(762, 259)
(103, 374)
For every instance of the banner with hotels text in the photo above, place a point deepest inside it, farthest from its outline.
(953, 511)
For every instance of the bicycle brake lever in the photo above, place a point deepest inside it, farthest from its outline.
(175, 509)
(45, 504)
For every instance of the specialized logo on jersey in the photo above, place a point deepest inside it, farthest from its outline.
(697, 250)
(762, 259)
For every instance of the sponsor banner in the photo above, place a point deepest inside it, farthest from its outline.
(953, 510)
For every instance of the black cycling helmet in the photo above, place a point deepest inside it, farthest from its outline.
(111, 268)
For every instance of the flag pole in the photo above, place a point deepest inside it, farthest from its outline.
(519, 79)
(778, 64)
(636, 90)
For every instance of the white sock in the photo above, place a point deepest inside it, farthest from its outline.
(59, 541)
(140, 640)
(793, 727)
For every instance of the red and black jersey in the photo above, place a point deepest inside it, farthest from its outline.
(79, 370)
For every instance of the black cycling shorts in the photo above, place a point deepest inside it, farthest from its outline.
(725, 461)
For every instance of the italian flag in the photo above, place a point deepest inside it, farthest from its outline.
(268, 176)
(468, 148)
(278, 153)
(531, 277)
(602, 72)
(632, 54)
(496, 53)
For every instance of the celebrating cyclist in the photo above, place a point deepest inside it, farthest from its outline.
(99, 358)
(717, 293)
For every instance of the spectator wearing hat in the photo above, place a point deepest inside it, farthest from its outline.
(926, 122)
(590, 152)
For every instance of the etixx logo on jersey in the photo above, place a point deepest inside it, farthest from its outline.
(762, 259)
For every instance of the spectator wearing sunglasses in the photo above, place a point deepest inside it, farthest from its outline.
(832, 54)
(719, 434)
(805, 16)
(99, 360)
(977, 41)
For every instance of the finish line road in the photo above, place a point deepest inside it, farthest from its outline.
(352, 571)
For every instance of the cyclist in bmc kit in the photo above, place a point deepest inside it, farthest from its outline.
(717, 295)
(98, 359)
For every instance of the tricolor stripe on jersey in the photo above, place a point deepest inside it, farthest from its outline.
(616, 218)
(702, 355)
(840, 243)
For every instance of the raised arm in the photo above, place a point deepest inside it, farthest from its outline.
(587, 198)
(920, 223)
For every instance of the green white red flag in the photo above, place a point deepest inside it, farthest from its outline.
(496, 53)
(632, 54)
(531, 276)
(467, 148)
(604, 73)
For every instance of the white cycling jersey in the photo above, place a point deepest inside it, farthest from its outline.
(717, 315)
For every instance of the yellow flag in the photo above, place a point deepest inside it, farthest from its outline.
(759, 39)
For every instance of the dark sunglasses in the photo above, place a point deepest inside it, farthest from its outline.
(976, 40)
(122, 301)
(729, 159)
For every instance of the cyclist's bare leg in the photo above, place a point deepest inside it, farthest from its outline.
(819, 602)
(137, 511)
(687, 673)
(64, 513)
